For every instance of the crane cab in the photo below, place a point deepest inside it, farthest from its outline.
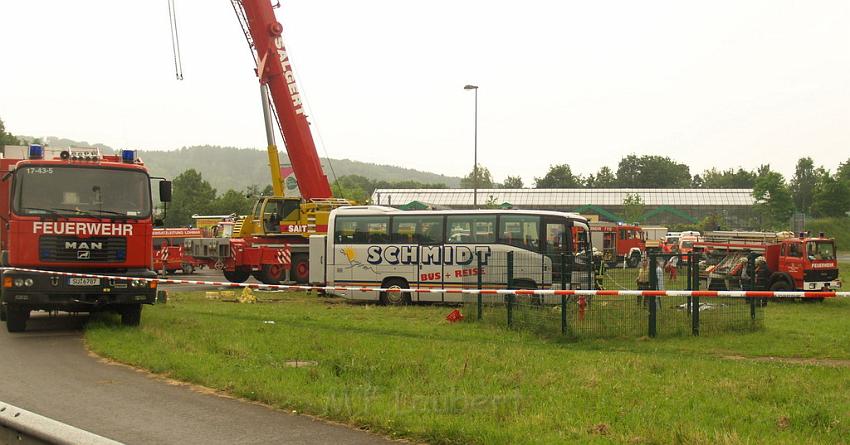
(274, 216)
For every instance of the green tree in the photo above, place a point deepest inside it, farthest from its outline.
(232, 202)
(773, 199)
(603, 179)
(650, 171)
(726, 179)
(485, 180)
(192, 195)
(831, 196)
(513, 182)
(633, 207)
(558, 176)
(803, 184)
(7, 138)
(843, 173)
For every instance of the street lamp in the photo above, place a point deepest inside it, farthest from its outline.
(475, 165)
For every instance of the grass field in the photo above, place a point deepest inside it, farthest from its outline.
(406, 372)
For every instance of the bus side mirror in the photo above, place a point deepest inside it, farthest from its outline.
(165, 191)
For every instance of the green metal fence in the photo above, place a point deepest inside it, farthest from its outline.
(606, 316)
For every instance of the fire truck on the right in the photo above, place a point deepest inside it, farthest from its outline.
(777, 261)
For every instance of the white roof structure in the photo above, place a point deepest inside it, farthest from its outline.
(567, 198)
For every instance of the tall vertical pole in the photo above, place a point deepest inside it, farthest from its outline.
(475, 167)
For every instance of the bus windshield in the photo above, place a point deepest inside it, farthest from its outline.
(820, 250)
(81, 191)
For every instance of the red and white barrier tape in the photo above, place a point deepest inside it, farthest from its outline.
(634, 293)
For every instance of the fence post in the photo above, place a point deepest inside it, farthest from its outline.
(509, 303)
(695, 308)
(690, 258)
(480, 284)
(564, 282)
(509, 298)
(752, 308)
(563, 315)
(563, 268)
(653, 284)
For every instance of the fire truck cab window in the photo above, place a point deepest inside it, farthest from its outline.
(81, 191)
(795, 250)
(820, 251)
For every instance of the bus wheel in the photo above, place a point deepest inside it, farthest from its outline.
(272, 274)
(300, 271)
(634, 259)
(395, 298)
(237, 276)
(16, 318)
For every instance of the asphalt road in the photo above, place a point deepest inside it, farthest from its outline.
(47, 370)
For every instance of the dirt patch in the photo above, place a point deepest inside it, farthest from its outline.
(831, 362)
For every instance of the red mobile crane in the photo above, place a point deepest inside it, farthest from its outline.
(276, 222)
(274, 70)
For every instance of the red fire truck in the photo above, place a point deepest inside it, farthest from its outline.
(618, 242)
(169, 254)
(791, 262)
(75, 210)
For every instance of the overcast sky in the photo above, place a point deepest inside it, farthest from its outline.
(711, 84)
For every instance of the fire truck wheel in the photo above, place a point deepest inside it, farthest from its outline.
(188, 269)
(237, 276)
(131, 314)
(634, 260)
(300, 271)
(395, 298)
(272, 274)
(16, 318)
(780, 286)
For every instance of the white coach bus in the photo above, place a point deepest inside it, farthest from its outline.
(375, 246)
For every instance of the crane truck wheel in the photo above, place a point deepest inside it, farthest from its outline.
(237, 276)
(272, 274)
(300, 271)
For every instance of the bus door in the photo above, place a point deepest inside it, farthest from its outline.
(466, 235)
(425, 234)
(557, 248)
(430, 273)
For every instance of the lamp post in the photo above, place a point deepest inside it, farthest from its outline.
(475, 165)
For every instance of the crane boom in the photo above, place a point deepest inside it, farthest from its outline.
(275, 71)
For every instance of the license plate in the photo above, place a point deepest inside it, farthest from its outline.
(84, 281)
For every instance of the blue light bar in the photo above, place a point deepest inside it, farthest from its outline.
(128, 156)
(36, 151)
